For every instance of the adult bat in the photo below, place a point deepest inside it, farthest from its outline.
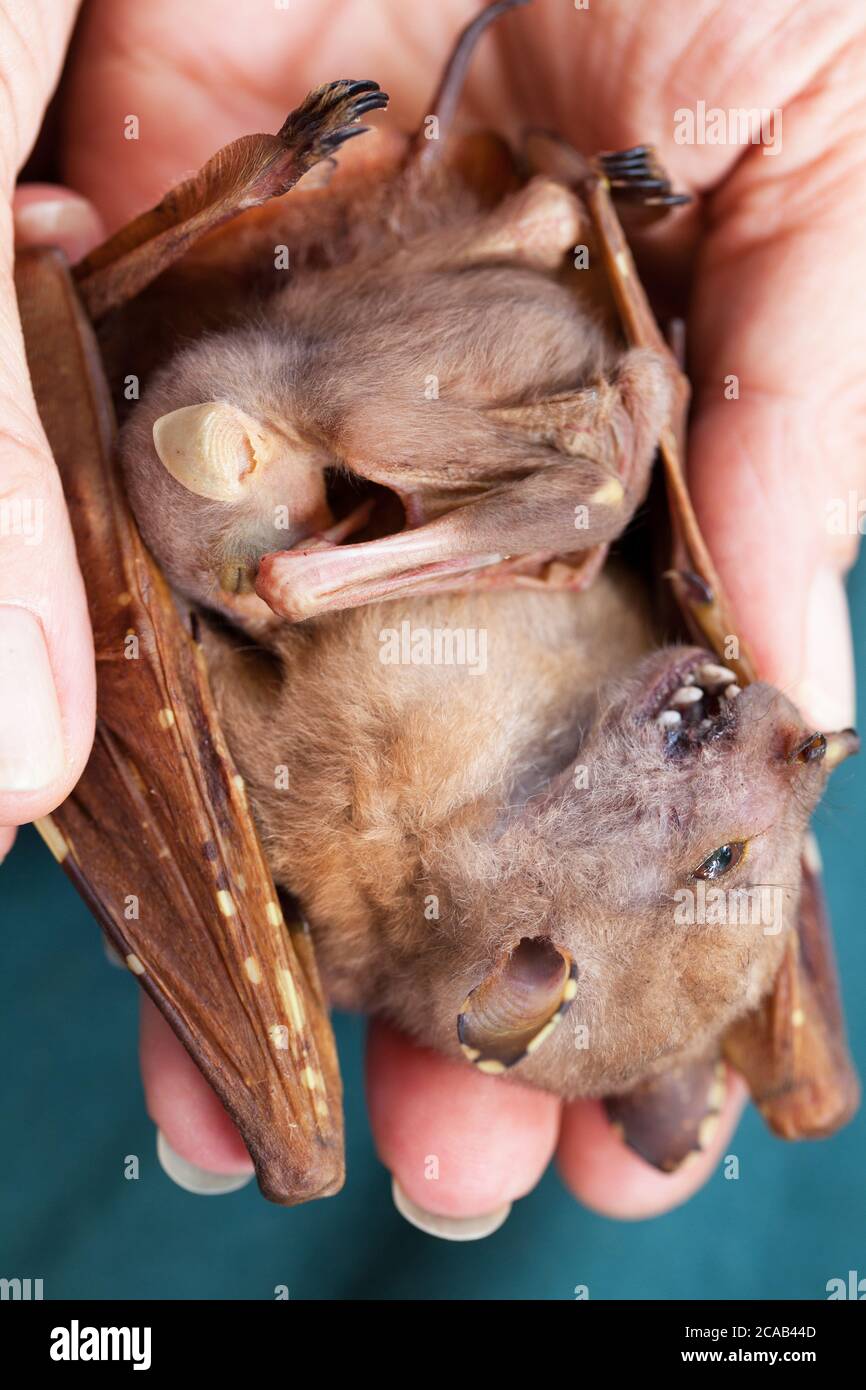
(429, 432)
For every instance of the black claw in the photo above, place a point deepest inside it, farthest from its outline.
(698, 588)
(636, 185)
(327, 118)
(636, 171)
(352, 88)
(377, 101)
(636, 176)
(629, 165)
(333, 142)
(645, 155)
(633, 152)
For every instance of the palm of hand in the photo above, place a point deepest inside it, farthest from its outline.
(748, 262)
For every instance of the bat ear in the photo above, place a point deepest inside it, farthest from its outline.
(517, 1006)
(213, 449)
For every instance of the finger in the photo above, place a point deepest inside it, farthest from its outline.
(186, 1112)
(46, 654)
(777, 443)
(48, 215)
(460, 1145)
(607, 1176)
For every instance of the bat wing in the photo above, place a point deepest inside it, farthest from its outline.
(793, 1051)
(157, 835)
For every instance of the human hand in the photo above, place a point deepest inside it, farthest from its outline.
(773, 256)
(47, 685)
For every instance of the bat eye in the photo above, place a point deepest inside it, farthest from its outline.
(236, 578)
(717, 864)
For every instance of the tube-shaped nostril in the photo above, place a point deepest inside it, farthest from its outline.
(517, 1007)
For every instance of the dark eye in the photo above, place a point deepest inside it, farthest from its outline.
(721, 860)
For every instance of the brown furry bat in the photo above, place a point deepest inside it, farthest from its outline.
(476, 846)
(500, 830)
(520, 823)
(448, 365)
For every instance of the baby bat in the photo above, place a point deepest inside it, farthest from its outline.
(482, 854)
(451, 367)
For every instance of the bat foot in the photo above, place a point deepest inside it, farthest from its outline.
(637, 177)
(329, 116)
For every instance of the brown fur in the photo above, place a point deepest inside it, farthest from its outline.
(432, 818)
(536, 408)
(406, 781)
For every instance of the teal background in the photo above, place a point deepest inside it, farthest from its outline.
(72, 1109)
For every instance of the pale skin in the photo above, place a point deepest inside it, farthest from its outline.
(777, 261)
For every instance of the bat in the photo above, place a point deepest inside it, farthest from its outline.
(424, 442)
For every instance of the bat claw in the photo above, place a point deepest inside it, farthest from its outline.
(636, 176)
(352, 89)
(333, 142)
(327, 118)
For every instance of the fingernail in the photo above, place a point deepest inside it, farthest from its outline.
(448, 1227)
(31, 737)
(68, 222)
(826, 692)
(194, 1179)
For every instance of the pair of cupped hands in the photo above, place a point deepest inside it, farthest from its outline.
(769, 266)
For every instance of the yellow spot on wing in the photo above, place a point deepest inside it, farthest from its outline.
(251, 966)
(291, 998)
(166, 718)
(225, 903)
(135, 965)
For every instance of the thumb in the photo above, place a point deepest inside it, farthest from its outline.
(47, 684)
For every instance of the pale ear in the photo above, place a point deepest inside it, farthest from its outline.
(516, 1008)
(213, 449)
